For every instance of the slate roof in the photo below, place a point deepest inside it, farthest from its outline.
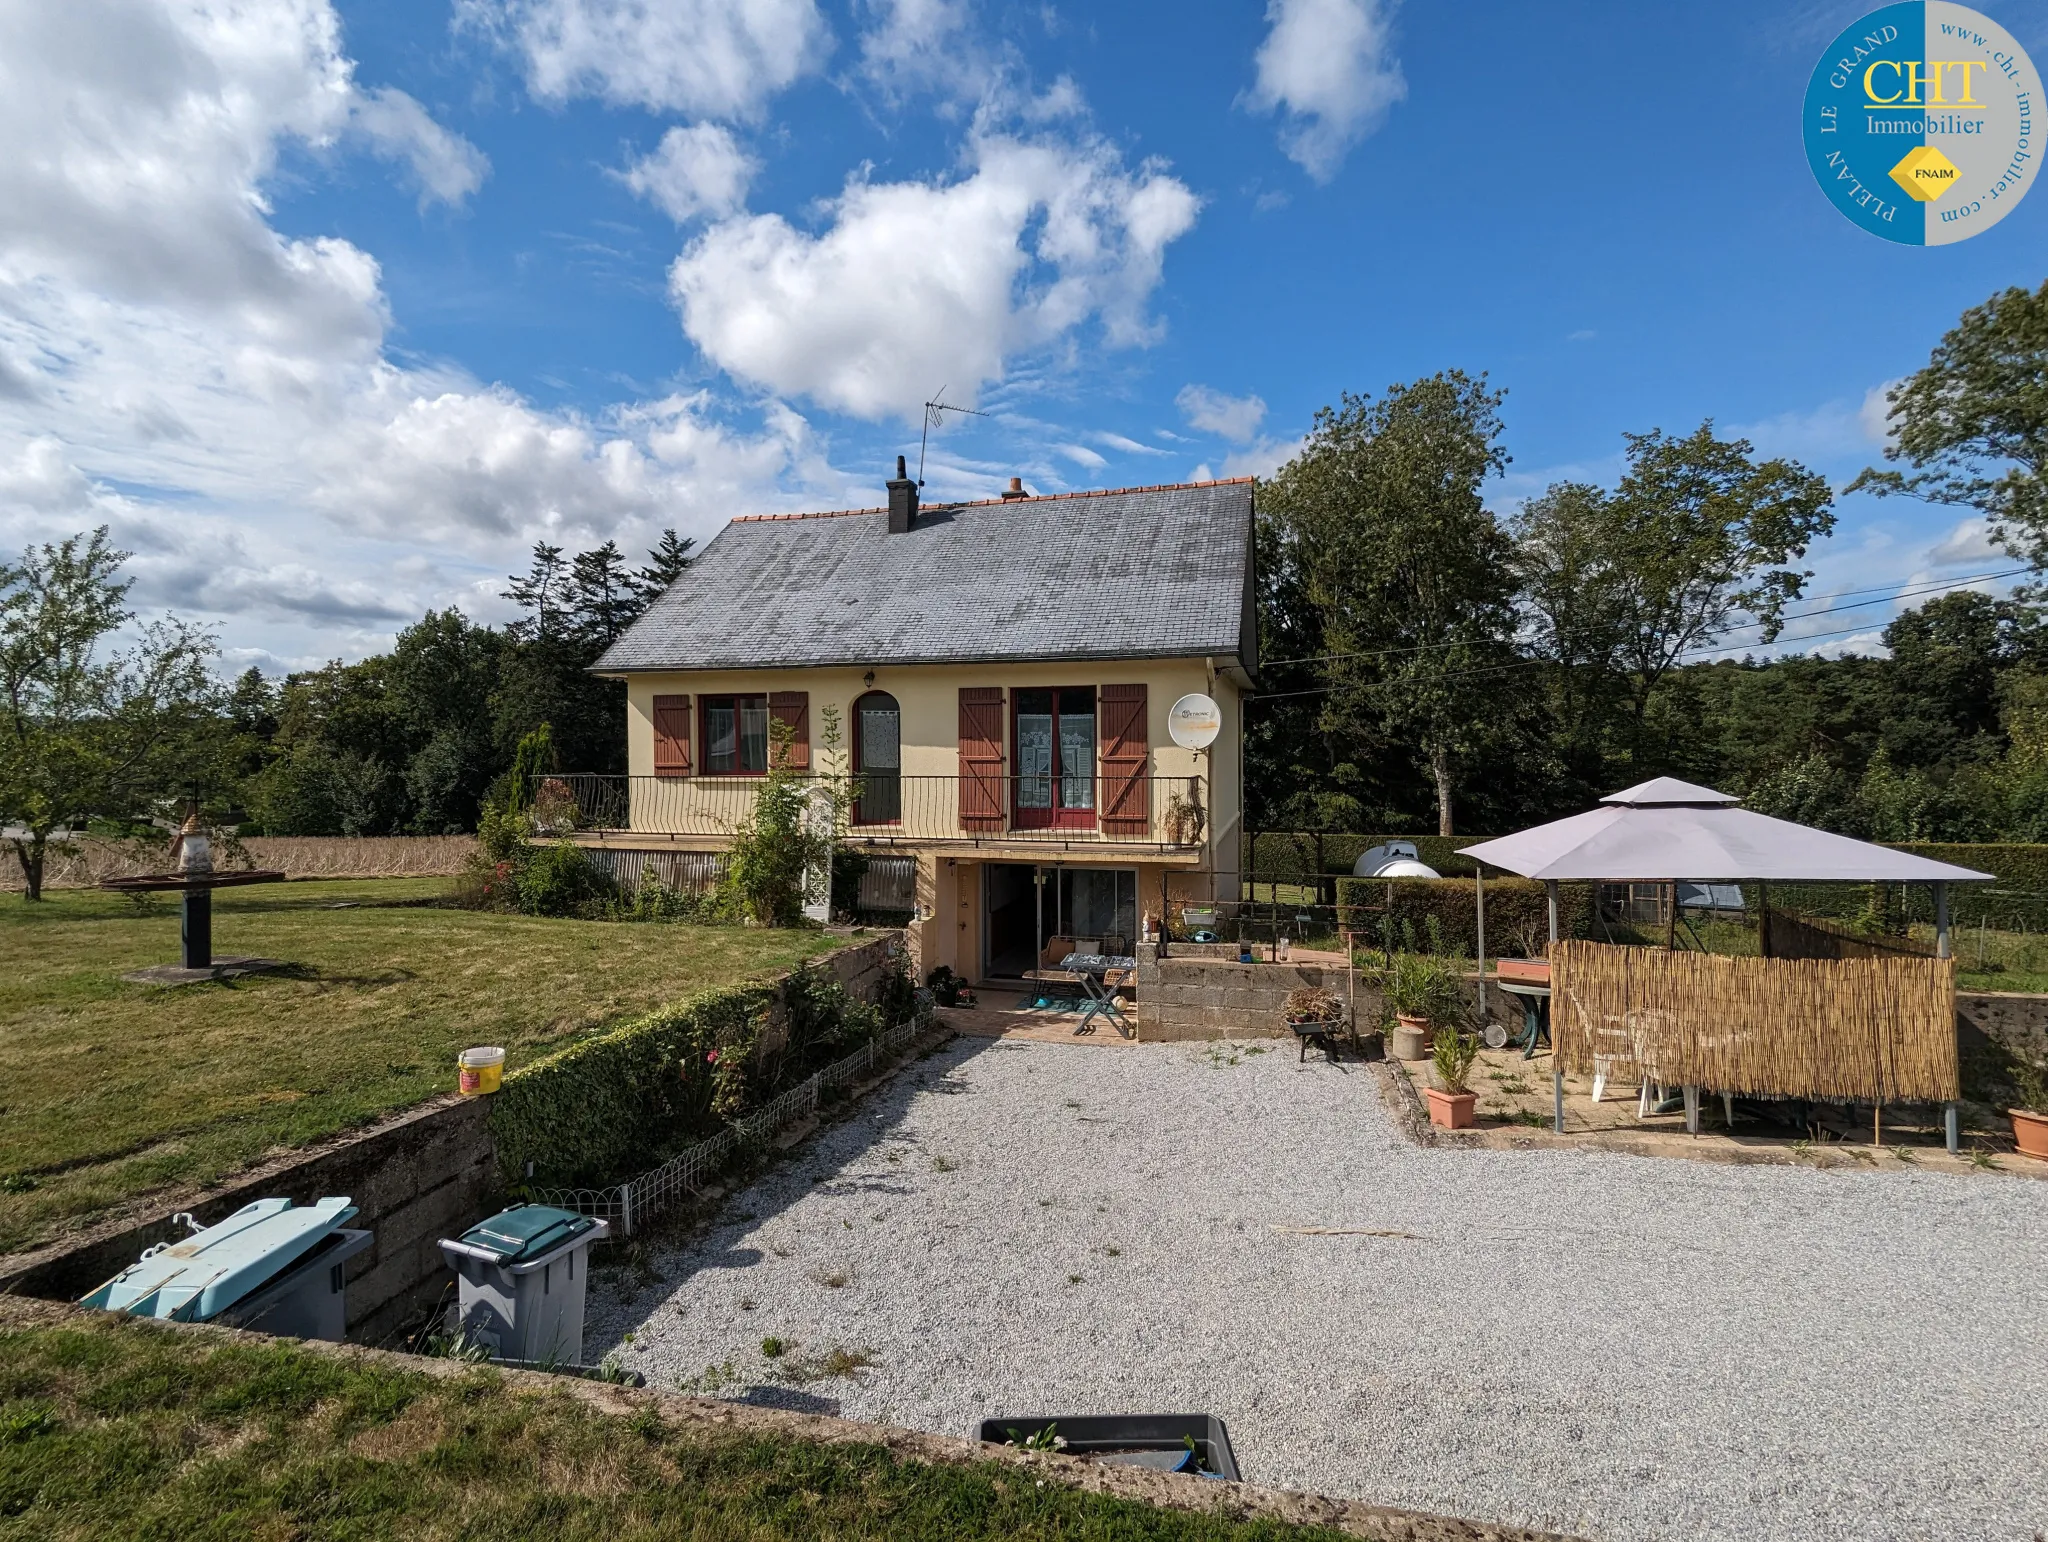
(1144, 572)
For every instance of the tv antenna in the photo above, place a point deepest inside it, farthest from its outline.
(935, 412)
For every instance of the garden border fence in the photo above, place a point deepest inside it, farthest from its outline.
(637, 1200)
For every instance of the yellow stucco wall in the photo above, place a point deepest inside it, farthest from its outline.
(929, 699)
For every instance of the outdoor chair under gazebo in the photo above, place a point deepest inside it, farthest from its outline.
(1876, 1030)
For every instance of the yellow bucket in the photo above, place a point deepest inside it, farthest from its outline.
(479, 1071)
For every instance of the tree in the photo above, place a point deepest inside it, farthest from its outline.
(1947, 658)
(84, 732)
(1407, 567)
(1695, 537)
(1572, 617)
(601, 600)
(1292, 781)
(665, 564)
(1973, 424)
(543, 591)
(442, 674)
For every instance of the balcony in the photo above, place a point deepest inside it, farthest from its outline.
(1120, 813)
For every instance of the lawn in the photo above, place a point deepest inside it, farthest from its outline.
(109, 1090)
(113, 1428)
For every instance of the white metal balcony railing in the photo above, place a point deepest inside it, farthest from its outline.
(887, 809)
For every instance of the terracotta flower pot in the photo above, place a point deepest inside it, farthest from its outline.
(1411, 1037)
(2030, 1133)
(1450, 1110)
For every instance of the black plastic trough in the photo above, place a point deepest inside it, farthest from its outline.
(1143, 1440)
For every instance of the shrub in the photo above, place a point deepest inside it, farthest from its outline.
(607, 1103)
(509, 872)
(1453, 1054)
(653, 900)
(847, 867)
(627, 1099)
(1424, 985)
(896, 994)
(558, 880)
(1517, 912)
(774, 852)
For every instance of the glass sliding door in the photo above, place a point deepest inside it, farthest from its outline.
(1054, 733)
(1100, 905)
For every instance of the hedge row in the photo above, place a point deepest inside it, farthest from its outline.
(1517, 912)
(2018, 896)
(619, 1100)
(1285, 856)
(625, 1100)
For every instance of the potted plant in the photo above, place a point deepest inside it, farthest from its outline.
(1450, 1106)
(1422, 990)
(2030, 1115)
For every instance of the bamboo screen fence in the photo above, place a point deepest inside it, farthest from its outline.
(1852, 1030)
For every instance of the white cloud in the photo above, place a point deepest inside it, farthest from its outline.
(915, 284)
(1866, 645)
(1970, 541)
(219, 393)
(699, 170)
(922, 47)
(1876, 411)
(1128, 446)
(1261, 459)
(708, 58)
(1236, 418)
(1081, 456)
(449, 167)
(1329, 66)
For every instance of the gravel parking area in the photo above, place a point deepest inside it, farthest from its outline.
(1613, 1346)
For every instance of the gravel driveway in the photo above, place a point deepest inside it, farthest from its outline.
(1615, 1346)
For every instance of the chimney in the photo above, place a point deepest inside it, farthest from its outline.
(902, 500)
(1015, 490)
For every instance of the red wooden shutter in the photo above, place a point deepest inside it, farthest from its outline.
(794, 708)
(1126, 789)
(983, 806)
(671, 736)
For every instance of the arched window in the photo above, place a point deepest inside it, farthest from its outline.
(878, 759)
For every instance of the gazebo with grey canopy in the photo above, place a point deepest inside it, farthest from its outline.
(1667, 831)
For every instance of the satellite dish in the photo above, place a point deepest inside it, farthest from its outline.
(1194, 722)
(1396, 859)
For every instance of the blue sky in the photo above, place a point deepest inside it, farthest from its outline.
(331, 310)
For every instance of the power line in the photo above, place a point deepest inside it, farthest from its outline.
(1501, 669)
(1888, 592)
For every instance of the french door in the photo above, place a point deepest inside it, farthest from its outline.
(1054, 733)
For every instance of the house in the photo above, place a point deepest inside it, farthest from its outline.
(999, 674)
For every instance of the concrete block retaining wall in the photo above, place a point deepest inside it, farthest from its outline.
(426, 1174)
(1212, 997)
(1201, 991)
(2018, 1022)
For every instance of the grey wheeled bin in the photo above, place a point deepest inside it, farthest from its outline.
(523, 1274)
(309, 1300)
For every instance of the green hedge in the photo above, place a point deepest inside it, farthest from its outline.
(624, 1100)
(1517, 912)
(591, 1112)
(2017, 897)
(1283, 856)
